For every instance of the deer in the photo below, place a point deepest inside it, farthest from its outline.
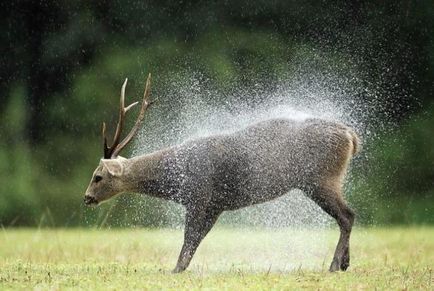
(229, 171)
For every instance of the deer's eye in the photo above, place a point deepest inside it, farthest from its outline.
(98, 178)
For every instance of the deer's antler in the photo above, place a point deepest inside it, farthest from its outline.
(113, 150)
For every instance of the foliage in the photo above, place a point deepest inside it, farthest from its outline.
(399, 187)
(63, 63)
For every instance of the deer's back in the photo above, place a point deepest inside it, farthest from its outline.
(261, 162)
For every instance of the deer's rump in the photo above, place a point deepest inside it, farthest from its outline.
(263, 161)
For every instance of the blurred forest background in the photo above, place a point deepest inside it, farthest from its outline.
(63, 62)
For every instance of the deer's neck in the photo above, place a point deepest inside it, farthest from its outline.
(148, 174)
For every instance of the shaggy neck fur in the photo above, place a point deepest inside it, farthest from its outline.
(146, 174)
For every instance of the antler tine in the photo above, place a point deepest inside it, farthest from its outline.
(107, 152)
(145, 105)
(130, 106)
(120, 124)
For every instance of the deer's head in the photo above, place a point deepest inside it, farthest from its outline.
(108, 179)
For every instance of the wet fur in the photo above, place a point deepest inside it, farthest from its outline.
(254, 165)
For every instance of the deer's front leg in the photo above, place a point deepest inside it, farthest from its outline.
(197, 224)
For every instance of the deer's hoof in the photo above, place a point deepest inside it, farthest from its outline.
(345, 263)
(344, 266)
(335, 266)
(178, 270)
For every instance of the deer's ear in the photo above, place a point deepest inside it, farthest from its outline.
(115, 166)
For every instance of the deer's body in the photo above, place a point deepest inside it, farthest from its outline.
(250, 166)
(229, 171)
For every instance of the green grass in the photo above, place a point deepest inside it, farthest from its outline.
(383, 258)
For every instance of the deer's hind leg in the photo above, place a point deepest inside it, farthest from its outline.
(331, 201)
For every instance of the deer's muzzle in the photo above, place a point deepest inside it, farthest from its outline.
(90, 200)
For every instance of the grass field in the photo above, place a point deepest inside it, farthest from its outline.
(382, 258)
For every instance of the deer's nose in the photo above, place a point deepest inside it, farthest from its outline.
(89, 200)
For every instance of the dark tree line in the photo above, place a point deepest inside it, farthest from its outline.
(50, 50)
